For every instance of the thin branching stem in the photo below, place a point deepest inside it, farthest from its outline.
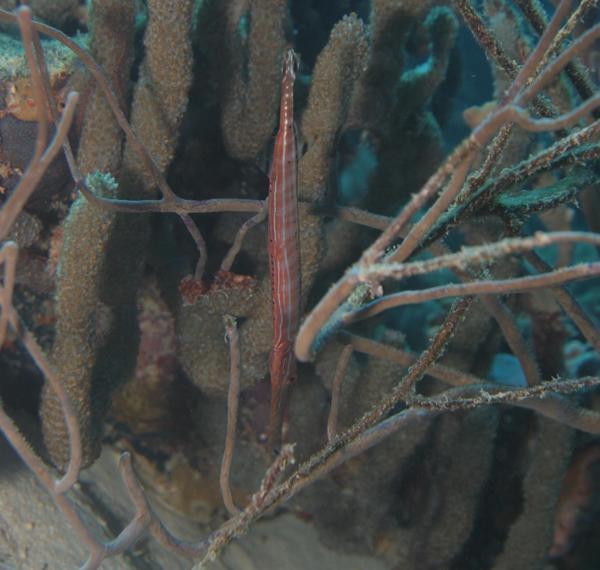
(239, 238)
(486, 287)
(569, 304)
(336, 388)
(8, 256)
(504, 319)
(233, 397)
(475, 254)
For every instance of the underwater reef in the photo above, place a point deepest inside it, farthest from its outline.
(438, 405)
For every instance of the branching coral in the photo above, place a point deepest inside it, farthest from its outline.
(251, 74)
(82, 265)
(416, 400)
(205, 358)
(81, 351)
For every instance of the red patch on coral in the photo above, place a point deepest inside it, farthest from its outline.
(229, 280)
(192, 289)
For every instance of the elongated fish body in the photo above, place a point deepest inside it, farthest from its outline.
(284, 252)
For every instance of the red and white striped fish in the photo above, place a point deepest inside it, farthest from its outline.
(284, 252)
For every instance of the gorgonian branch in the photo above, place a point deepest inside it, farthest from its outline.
(524, 88)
